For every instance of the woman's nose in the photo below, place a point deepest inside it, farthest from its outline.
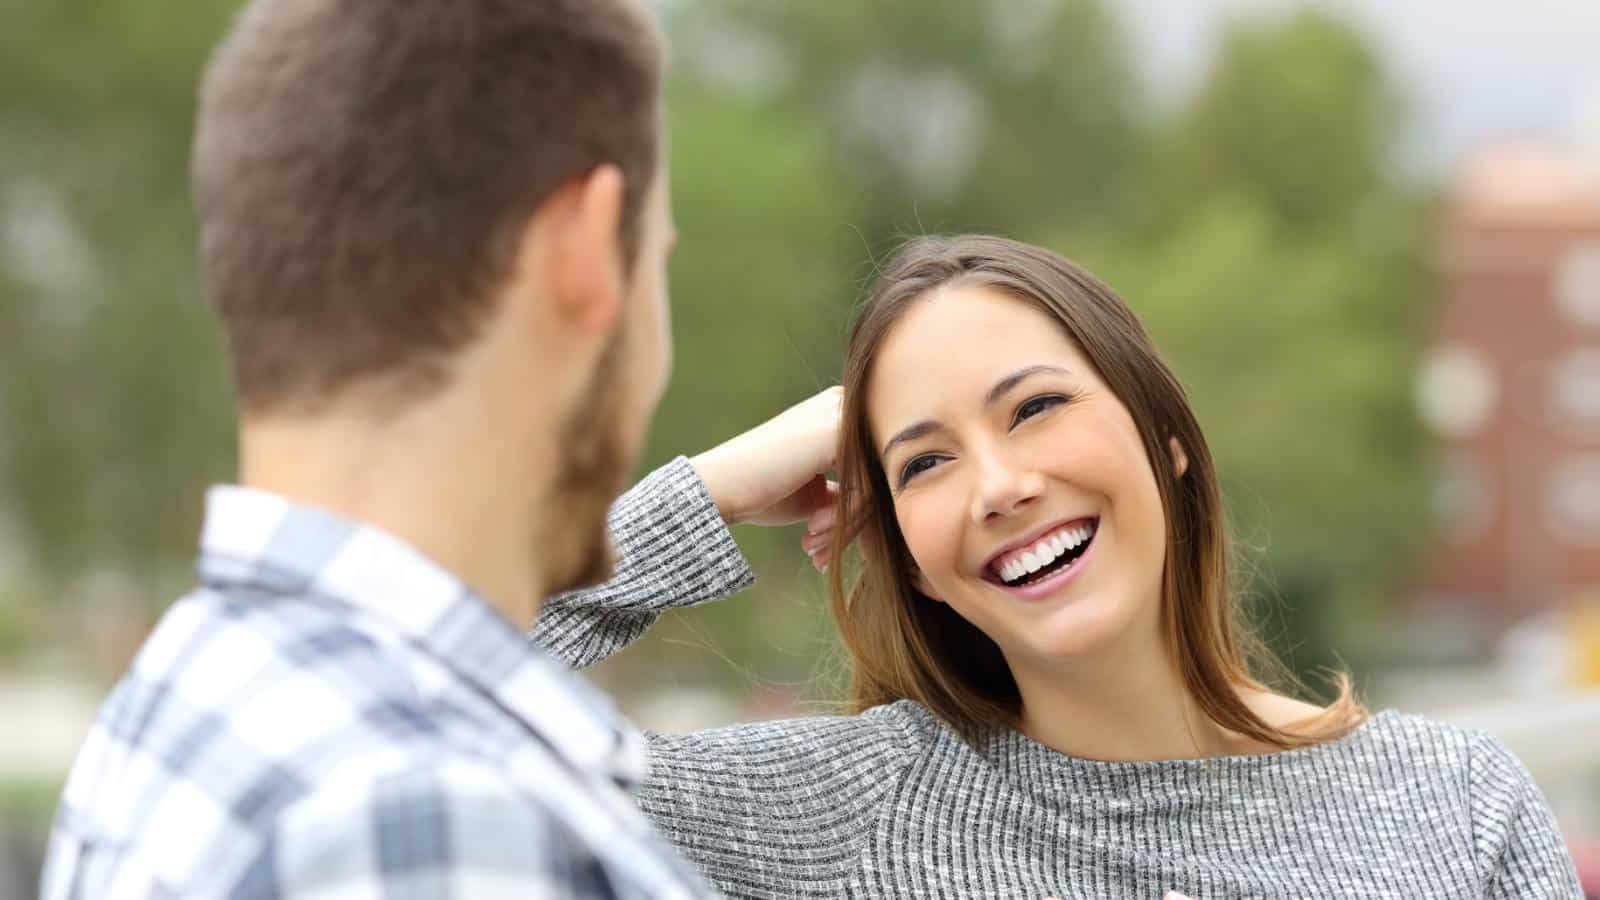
(1003, 489)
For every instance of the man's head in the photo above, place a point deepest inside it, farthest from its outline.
(401, 201)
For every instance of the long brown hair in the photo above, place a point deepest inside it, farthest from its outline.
(905, 647)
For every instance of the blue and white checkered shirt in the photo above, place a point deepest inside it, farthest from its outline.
(333, 715)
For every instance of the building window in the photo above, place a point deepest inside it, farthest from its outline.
(1456, 390)
(1577, 285)
(1574, 391)
(1572, 499)
(1463, 502)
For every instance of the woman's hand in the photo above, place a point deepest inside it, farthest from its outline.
(774, 474)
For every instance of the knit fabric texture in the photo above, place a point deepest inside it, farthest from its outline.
(893, 803)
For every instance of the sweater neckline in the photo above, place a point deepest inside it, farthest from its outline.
(1038, 768)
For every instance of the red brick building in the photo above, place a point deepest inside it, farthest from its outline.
(1510, 385)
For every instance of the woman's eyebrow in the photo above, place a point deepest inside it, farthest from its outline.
(1001, 387)
(1015, 378)
(920, 429)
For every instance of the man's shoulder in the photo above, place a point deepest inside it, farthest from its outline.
(422, 811)
(275, 748)
(280, 745)
(269, 682)
(238, 710)
(381, 820)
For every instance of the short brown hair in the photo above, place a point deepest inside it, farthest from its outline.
(903, 646)
(363, 169)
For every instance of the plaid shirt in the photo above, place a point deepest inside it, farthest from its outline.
(333, 715)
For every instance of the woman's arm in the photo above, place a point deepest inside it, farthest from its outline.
(1520, 852)
(671, 537)
(778, 809)
(672, 550)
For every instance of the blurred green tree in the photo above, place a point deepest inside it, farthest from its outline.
(1279, 261)
(114, 397)
(1260, 232)
(1297, 116)
(998, 115)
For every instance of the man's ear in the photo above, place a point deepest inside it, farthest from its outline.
(1180, 459)
(577, 249)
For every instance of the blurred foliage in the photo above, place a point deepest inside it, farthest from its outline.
(1259, 230)
(1281, 265)
(997, 115)
(111, 386)
(28, 803)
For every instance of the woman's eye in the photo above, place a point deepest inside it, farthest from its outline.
(1036, 405)
(916, 467)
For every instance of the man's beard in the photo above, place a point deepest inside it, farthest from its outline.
(575, 548)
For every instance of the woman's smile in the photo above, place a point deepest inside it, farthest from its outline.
(1039, 566)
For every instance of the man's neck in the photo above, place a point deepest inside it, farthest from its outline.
(450, 494)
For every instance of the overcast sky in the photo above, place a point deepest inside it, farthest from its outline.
(1477, 71)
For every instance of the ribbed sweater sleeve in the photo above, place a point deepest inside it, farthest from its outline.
(773, 809)
(778, 809)
(672, 550)
(1518, 847)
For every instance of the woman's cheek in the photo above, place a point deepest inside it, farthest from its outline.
(932, 529)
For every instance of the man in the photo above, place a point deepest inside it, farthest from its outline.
(435, 234)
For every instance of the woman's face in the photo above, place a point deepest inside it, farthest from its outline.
(1018, 479)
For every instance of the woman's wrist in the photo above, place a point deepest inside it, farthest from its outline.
(717, 485)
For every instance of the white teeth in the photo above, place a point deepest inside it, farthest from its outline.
(1045, 552)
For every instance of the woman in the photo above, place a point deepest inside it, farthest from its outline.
(1051, 684)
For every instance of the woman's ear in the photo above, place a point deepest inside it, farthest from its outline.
(1180, 459)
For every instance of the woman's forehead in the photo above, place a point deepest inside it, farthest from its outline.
(951, 347)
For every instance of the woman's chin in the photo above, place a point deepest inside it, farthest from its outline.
(1083, 628)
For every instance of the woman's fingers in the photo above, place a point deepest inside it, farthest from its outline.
(819, 548)
(822, 513)
(821, 524)
(825, 516)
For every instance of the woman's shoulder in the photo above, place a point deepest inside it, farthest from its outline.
(1514, 834)
(918, 724)
(1398, 729)
(1470, 758)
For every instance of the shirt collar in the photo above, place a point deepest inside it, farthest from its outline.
(253, 538)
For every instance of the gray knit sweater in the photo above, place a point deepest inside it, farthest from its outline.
(891, 803)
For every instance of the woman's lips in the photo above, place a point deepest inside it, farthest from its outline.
(991, 564)
(1053, 582)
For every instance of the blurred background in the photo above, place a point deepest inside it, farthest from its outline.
(1366, 234)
